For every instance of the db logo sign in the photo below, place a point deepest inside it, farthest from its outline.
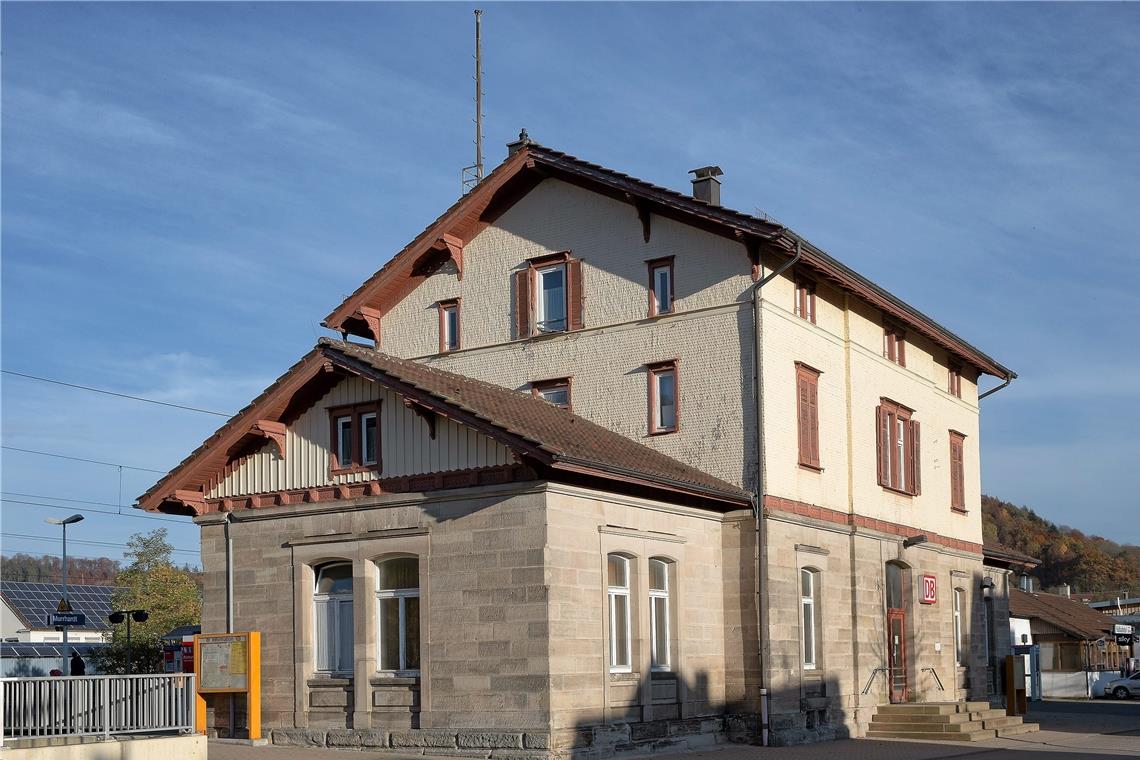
(929, 589)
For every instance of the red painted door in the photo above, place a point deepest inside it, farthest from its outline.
(896, 655)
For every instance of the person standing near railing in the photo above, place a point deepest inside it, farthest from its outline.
(78, 666)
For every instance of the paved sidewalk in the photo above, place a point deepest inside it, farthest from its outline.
(1070, 731)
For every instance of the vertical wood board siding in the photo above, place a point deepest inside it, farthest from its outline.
(405, 447)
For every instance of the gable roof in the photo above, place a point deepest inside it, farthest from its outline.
(999, 554)
(31, 602)
(1061, 612)
(532, 163)
(552, 439)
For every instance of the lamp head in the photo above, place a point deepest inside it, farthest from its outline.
(116, 617)
(65, 521)
(915, 541)
(139, 616)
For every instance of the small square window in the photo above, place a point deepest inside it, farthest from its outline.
(555, 391)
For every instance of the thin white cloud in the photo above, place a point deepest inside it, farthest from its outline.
(80, 115)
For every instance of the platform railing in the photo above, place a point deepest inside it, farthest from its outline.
(33, 708)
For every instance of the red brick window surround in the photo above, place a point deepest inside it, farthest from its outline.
(899, 462)
(354, 438)
(449, 325)
(957, 472)
(894, 344)
(556, 391)
(807, 413)
(661, 300)
(954, 380)
(549, 295)
(805, 298)
(664, 397)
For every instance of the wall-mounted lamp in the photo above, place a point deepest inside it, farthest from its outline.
(915, 541)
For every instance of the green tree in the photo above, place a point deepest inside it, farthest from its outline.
(153, 583)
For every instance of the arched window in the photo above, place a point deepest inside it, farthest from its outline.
(959, 642)
(332, 608)
(809, 613)
(660, 591)
(398, 614)
(618, 594)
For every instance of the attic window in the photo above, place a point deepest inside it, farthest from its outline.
(548, 295)
(449, 335)
(894, 344)
(355, 438)
(555, 391)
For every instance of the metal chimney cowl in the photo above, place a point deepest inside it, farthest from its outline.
(706, 186)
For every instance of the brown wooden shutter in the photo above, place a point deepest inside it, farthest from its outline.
(576, 295)
(813, 395)
(804, 415)
(915, 460)
(522, 303)
(882, 440)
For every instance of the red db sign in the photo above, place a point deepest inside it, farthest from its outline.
(929, 589)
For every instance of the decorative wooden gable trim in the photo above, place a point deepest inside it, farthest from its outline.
(424, 412)
(274, 431)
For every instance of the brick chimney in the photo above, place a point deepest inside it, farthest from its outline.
(706, 186)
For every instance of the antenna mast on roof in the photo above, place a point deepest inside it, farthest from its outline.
(473, 175)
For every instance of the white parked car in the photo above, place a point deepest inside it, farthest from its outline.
(1123, 688)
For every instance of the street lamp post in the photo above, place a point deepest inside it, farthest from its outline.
(66, 597)
(118, 616)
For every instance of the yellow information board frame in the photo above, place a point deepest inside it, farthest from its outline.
(246, 644)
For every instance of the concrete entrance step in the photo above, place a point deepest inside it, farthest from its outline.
(988, 714)
(921, 708)
(1018, 730)
(904, 717)
(1005, 721)
(926, 728)
(965, 736)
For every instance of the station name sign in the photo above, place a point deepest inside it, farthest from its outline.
(66, 618)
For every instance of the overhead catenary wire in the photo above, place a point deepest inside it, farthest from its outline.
(81, 459)
(32, 537)
(88, 510)
(115, 393)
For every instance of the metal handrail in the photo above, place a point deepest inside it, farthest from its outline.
(60, 706)
(867, 688)
(934, 673)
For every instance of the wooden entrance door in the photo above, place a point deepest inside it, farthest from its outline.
(896, 655)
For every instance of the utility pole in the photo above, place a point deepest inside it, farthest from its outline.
(473, 175)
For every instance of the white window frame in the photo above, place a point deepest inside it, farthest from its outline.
(540, 317)
(661, 661)
(364, 439)
(332, 638)
(959, 653)
(809, 611)
(451, 327)
(403, 595)
(343, 459)
(613, 594)
(670, 372)
(901, 443)
(666, 288)
(559, 389)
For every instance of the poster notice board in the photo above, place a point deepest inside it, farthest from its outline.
(224, 663)
(229, 663)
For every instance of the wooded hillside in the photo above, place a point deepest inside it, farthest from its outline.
(1087, 563)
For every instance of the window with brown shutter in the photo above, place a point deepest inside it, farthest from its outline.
(898, 448)
(807, 405)
(549, 296)
(957, 472)
(805, 298)
(894, 344)
(954, 380)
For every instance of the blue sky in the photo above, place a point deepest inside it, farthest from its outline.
(189, 188)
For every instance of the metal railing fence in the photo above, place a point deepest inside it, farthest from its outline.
(33, 708)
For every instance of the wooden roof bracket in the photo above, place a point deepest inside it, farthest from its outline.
(195, 501)
(371, 317)
(274, 431)
(643, 214)
(454, 247)
(752, 247)
(426, 413)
